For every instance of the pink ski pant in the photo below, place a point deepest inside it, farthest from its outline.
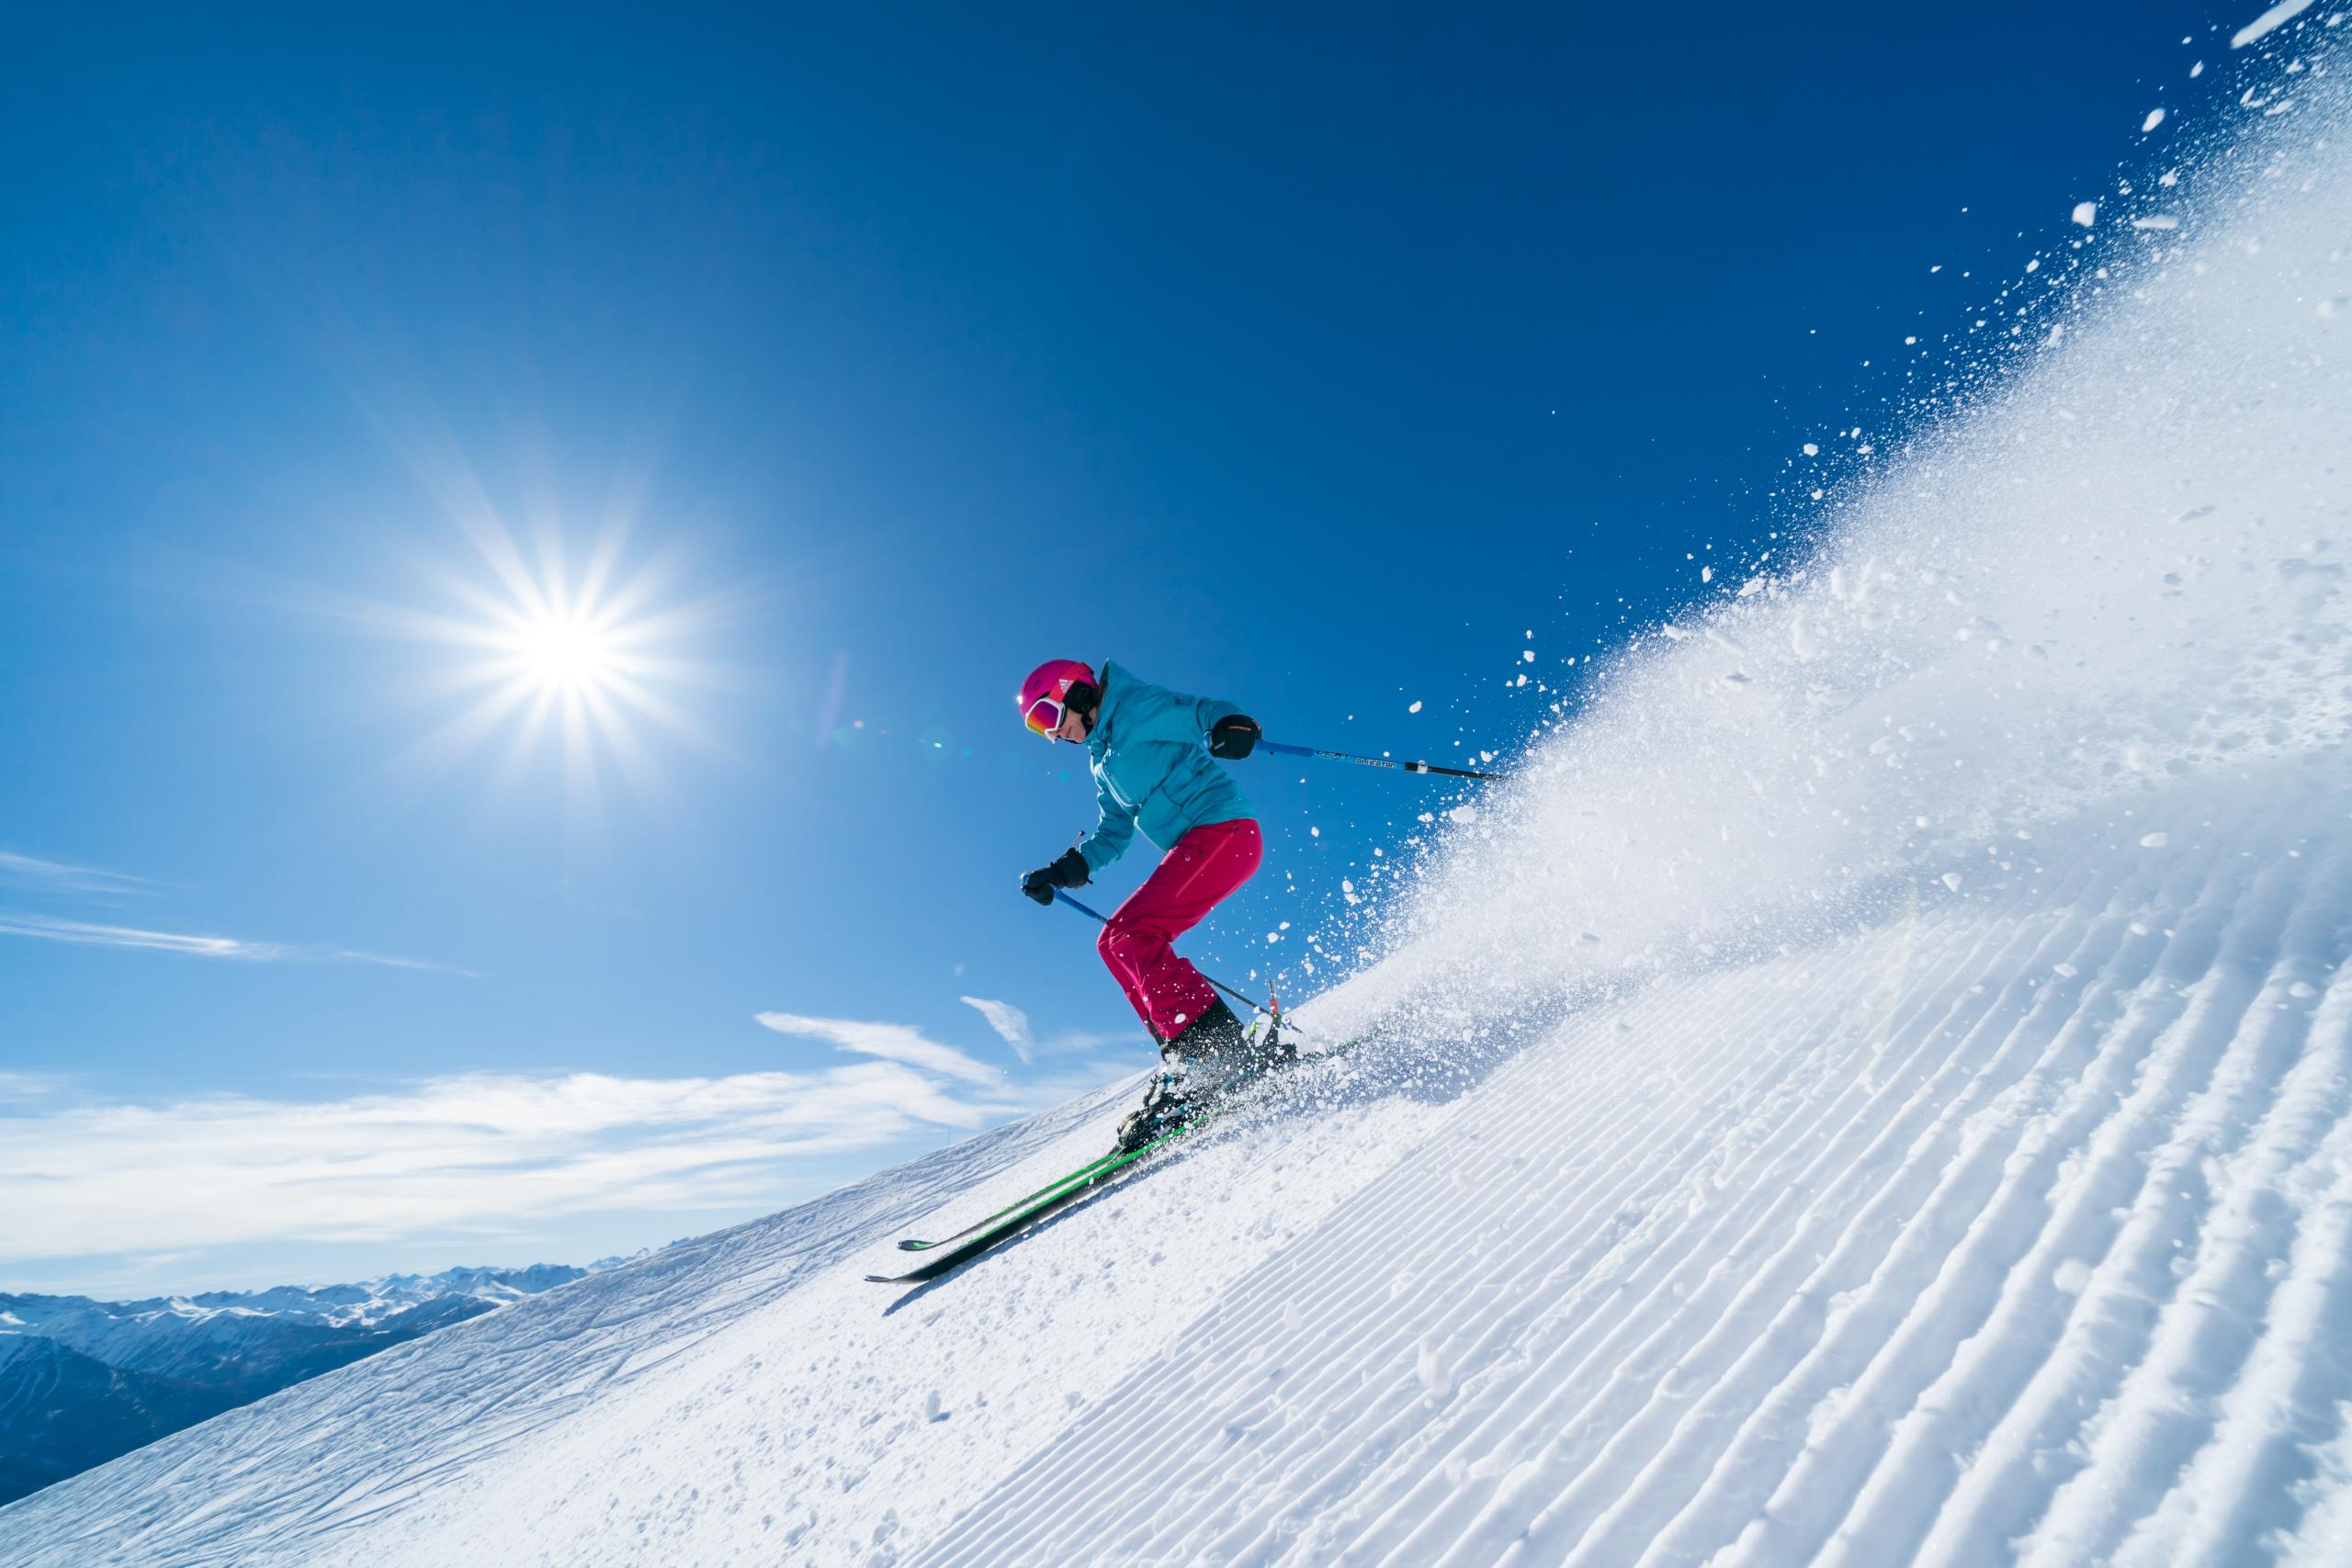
(1207, 863)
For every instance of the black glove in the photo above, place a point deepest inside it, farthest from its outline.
(1232, 738)
(1067, 871)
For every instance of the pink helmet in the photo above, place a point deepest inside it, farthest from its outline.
(1048, 686)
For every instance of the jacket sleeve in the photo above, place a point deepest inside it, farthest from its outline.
(1109, 839)
(1172, 716)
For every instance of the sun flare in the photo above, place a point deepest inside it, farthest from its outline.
(580, 663)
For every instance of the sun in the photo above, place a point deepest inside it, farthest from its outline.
(550, 658)
(565, 652)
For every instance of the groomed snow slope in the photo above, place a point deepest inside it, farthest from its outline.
(2031, 1215)
(1876, 1092)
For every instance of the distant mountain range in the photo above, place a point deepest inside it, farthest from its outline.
(82, 1380)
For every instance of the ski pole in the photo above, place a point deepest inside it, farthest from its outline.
(1376, 761)
(1099, 918)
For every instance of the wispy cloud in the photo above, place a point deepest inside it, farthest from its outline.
(484, 1152)
(29, 1085)
(1088, 1039)
(48, 881)
(192, 944)
(82, 932)
(890, 1042)
(58, 876)
(1012, 1026)
(1010, 1022)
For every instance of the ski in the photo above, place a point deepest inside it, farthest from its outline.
(1096, 1168)
(968, 1245)
(971, 1241)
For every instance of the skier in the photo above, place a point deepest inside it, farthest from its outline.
(1145, 747)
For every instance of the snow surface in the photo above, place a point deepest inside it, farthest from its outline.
(1889, 1108)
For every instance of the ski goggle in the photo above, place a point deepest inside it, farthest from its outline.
(1045, 715)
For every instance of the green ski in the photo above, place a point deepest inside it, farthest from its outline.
(967, 1243)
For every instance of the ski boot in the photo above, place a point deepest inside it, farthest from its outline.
(1166, 1106)
(1213, 1053)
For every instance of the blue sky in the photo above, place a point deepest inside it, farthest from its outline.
(1310, 359)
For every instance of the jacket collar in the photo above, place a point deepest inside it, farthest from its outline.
(1115, 687)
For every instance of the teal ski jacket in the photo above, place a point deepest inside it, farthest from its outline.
(1152, 769)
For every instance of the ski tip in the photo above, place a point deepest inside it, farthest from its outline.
(914, 1245)
(882, 1280)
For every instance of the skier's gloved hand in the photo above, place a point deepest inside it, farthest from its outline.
(1232, 738)
(1068, 870)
